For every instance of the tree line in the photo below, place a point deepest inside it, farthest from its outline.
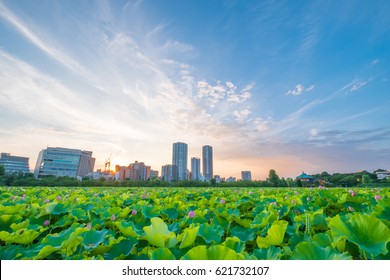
(363, 178)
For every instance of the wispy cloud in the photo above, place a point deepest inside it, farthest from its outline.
(354, 85)
(299, 89)
(219, 92)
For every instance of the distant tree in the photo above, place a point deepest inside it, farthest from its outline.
(366, 179)
(213, 182)
(2, 170)
(273, 178)
(290, 182)
(299, 183)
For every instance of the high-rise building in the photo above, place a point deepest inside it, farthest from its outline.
(246, 176)
(169, 172)
(14, 163)
(153, 174)
(134, 172)
(207, 160)
(180, 158)
(64, 162)
(195, 169)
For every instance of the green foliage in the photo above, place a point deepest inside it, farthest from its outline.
(154, 223)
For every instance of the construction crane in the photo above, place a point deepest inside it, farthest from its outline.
(107, 164)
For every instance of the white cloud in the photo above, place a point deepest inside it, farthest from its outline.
(221, 92)
(172, 45)
(242, 115)
(310, 88)
(354, 85)
(298, 90)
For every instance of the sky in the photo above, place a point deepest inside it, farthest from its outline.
(287, 85)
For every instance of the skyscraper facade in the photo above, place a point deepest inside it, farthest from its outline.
(169, 172)
(64, 162)
(180, 158)
(207, 160)
(246, 176)
(195, 169)
(14, 163)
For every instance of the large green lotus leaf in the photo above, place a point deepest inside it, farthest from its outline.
(121, 249)
(171, 213)
(310, 251)
(368, 232)
(275, 235)
(21, 225)
(272, 253)
(114, 211)
(234, 243)
(382, 211)
(242, 222)
(157, 234)
(80, 214)
(150, 211)
(162, 254)
(217, 252)
(23, 236)
(92, 238)
(124, 212)
(209, 234)
(10, 252)
(260, 220)
(57, 208)
(11, 210)
(46, 251)
(7, 220)
(188, 237)
(126, 228)
(56, 240)
(242, 233)
(322, 240)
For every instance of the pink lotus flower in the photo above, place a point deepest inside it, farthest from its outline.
(143, 196)
(351, 209)
(95, 194)
(222, 201)
(113, 217)
(293, 201)
(296, 193)
(12, 197)
(273, 203)
(89, 226)
(250, 193)
(378, 197)
(191, 214)
(286, 197)
(47, 200)
(58, 197)
(46, 223)
(235, 191)
(308, 198)
(321, 187)
(133, 212)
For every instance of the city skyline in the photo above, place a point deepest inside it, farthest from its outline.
(270, 85)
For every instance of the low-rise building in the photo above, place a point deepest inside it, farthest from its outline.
(14, 163)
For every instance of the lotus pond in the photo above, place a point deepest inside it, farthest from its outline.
(189, 224)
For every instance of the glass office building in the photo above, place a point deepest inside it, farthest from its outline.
(14, 163)
(64, 162)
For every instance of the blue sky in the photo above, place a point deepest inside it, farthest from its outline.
(289, 85)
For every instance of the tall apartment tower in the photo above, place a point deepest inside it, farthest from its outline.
(207, 153)
(64, 162)
(195, 169)
(246, 176)
(180, 158)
